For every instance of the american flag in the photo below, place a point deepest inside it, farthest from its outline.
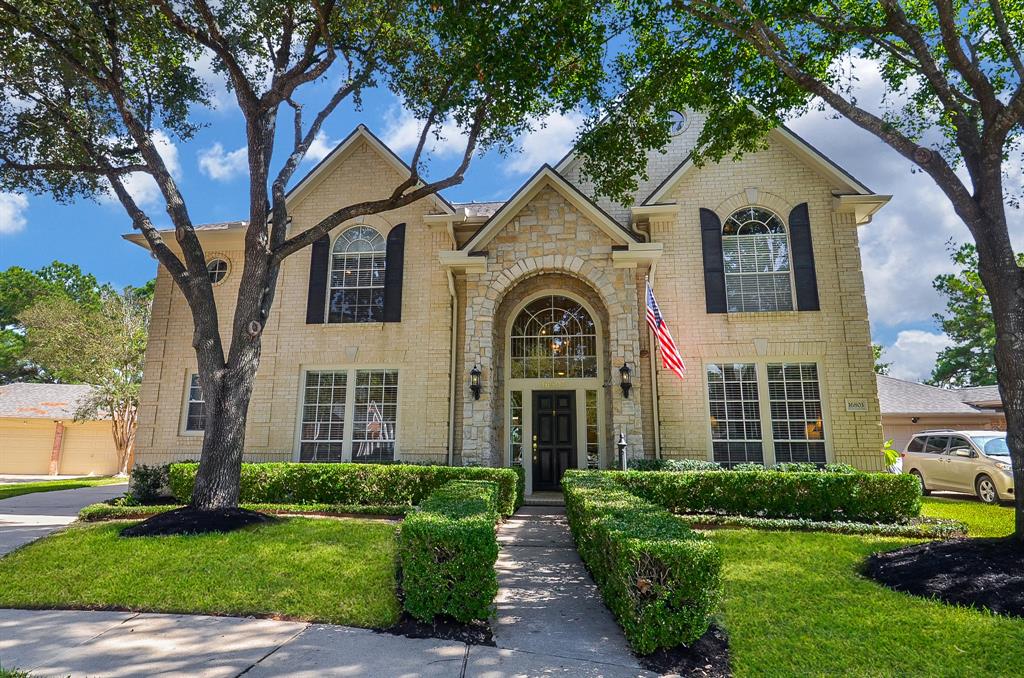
(670, 358)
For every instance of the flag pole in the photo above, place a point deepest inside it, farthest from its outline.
(652, 348)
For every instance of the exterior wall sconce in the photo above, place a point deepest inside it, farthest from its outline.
(474, 382)
(625, 374)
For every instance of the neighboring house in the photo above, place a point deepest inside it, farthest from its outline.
(909, 407)
(39, 434)
(378, 331)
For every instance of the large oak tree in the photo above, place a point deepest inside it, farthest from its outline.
(89, 84)
(952, 75)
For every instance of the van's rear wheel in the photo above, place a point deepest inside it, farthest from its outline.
(920, 479)
(986, 490)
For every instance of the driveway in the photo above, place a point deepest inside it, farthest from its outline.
(28, 517)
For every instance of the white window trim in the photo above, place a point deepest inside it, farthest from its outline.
(183, 429)
(764, 402)
(350, 399)
(789, 249)
(383, 233)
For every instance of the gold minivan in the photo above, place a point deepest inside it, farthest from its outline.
(974, 462)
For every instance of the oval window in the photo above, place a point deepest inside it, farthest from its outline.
(218, 270)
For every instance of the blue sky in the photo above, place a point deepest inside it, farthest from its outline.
(902, 249)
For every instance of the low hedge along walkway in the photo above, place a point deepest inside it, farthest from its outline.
(448, 549)
(660, 579)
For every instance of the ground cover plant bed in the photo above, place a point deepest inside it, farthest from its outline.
(349, 483)
(187, 520)
(707, 657)
(107, 511)
(924, 527)
(332, 571)
(980, 572)
(8, 490)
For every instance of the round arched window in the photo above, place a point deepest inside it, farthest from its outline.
(755, 251)
(553, 337)
(217, 270)
(357, 277)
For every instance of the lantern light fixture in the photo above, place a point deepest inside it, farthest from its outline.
(474, 382)
(625, 377)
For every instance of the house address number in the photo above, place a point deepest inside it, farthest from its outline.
(856, 405)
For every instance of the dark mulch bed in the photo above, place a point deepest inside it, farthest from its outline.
(706, 658)
(985, 573)
(188, 520)
(473, 633)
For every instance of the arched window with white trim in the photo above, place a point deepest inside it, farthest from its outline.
(356, 293)
(755, 251)
(553, 337)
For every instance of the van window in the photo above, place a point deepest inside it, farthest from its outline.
(957, 442)
(916, 445)
(936, 444)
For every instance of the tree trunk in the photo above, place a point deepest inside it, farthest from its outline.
(220, 466)
(1004, 282)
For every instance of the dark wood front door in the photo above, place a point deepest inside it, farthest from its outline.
(554, 437)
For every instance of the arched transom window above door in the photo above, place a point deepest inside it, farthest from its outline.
(553, 337)
(357, 277)
(755, 251)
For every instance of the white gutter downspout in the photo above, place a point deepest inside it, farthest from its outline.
(454, 341)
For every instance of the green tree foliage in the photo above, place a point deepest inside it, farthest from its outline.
(102, 344)
(967, 320)
(19, 290)
(880, 367)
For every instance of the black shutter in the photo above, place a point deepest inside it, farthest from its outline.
(803, 259)
(393, 275)
(316, 301)
(714, 267)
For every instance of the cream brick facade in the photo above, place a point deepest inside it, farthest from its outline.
(548, 238)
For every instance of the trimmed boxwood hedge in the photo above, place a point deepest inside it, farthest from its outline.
(448, 548)
(378, 484)
(660, 579)
(813, 495)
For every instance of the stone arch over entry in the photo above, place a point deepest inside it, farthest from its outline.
(493, 295)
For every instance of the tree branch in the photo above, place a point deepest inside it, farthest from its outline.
(1005, 38)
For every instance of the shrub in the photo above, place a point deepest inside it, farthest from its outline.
(815, 495)
(674, 465)
(149, 484)
(924, 528)
(295, 483)
(660, 579)
(448, 549)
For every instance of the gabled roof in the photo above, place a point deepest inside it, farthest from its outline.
(42, 401)
(896, 396)
(360, 133)
(547, 176)
(791, 140)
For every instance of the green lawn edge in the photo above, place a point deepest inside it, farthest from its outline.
(8, 490)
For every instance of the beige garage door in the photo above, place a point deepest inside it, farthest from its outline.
(88, 449)
(25, 445)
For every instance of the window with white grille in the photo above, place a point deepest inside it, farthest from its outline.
(358, 260)
(349, 415)
(195, 408)
(735, 413)
(798, 431)
(755, 251)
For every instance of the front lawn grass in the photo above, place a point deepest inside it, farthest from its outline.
(8, 490)
(795, 605)
(336, 571)
(984, 520)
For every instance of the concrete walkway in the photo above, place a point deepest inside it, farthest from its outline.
(547, 603)
(28, 517)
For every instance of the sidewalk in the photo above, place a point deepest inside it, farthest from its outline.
(28, 517)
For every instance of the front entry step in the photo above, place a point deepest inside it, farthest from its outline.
(544, 499)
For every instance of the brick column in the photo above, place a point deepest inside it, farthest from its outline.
(58, 444)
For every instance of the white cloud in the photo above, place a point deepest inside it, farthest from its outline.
(321, 146)
(12, 213)
(402, 133)
(913, 354)
(221, 165)
(551, 139)
(221, 98)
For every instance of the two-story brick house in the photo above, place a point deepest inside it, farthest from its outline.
(497, 333)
